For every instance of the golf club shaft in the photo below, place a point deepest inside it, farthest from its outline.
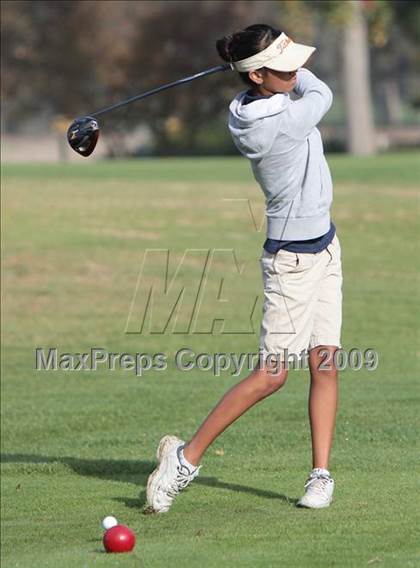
(162, 88)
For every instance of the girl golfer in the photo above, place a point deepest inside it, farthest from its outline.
(301, 263)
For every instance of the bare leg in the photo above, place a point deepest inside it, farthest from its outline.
(323, 398)
(258, 385)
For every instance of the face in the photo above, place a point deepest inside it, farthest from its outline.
(270, 82)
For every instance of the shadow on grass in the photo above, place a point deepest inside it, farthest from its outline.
(130, 471)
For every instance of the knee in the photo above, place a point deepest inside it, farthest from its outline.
(327, 375)
(270, 382)
(323, 364)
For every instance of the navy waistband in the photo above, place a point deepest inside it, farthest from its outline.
(310, 246)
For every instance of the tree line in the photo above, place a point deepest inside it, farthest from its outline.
(69, 57)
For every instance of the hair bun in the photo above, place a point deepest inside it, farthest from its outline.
(223, 47)
(246, 43)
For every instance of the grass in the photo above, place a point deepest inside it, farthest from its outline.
(77, 446)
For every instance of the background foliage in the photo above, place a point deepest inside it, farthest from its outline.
(71, 57)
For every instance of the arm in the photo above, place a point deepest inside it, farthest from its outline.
(316, 99)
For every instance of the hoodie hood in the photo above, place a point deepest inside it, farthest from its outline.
(250, 126)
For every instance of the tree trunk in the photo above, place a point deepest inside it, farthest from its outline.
(361, 137)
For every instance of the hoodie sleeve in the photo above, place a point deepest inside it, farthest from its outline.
(305, 113)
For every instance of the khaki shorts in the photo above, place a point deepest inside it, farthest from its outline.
(302, 301)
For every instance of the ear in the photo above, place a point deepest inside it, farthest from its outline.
(257, 76)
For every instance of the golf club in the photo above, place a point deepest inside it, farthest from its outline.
(83, 133)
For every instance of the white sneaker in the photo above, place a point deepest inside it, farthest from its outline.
(170, 477)
(319, 489)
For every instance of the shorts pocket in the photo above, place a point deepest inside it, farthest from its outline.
(285, 261)
(335, 244)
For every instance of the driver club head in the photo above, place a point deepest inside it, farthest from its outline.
(83, 134)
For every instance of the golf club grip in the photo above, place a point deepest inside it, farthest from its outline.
(162, 88)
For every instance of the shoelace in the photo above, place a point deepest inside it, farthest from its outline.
(319, 487)
(180, 482)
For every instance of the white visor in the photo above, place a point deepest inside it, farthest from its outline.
(281, 55)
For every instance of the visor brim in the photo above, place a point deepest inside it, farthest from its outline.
(297, 55)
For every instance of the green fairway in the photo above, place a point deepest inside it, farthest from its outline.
(79, 445)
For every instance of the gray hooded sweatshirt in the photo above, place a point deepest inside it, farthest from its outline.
(280, 138)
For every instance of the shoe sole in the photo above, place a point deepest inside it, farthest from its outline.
(304, 506)
(150, 489)
(163, 447)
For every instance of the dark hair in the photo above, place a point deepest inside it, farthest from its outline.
(245, 43)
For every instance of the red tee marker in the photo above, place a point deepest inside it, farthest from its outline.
(119, 539)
